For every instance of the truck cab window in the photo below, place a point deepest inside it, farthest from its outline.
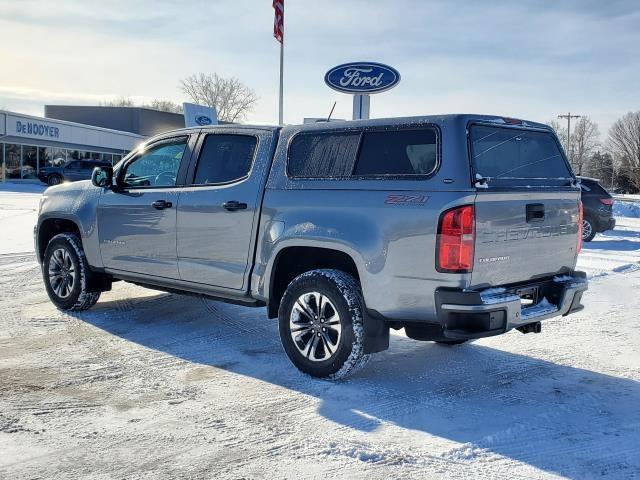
(225, 158)
(156, 167)
(400, 152)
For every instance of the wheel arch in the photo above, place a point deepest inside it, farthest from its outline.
(49, 228)
(291, 261)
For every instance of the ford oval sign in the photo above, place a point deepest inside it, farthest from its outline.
(203, 120)
(362, 77)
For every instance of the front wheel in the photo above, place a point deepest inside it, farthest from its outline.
(54, 180)
(65, 272)
(321, 323)
(588, 230)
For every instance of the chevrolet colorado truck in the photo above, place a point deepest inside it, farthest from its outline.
(452, 227)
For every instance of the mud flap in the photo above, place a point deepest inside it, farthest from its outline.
(376, 334)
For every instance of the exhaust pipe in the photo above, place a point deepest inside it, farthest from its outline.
(531, 328)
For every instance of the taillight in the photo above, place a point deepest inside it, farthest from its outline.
(456, 240)
(606, 201)
(580, 217)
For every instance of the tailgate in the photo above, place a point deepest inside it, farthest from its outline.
(527, 205)
(521, 236)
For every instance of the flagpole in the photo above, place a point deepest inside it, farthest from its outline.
(280, 119)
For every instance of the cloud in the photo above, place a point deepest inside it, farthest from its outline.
(532, 59)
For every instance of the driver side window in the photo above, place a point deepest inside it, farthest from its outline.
(157, 166)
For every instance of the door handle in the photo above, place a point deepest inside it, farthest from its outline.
(535, 212)
(232, 205)
(161, 204)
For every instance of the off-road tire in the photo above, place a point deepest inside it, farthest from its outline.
(343, 291)
(78, 298)
(54, 180)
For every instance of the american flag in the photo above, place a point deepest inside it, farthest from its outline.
(278, 21)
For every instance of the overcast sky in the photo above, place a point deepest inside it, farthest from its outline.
(528, 59)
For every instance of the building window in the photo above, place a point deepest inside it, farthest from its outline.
(59, 156)
(29, 161)
(44, 157)
(106, 157)
(12, 160)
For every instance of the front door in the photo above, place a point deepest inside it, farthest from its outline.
(218, 210)
(137, 220)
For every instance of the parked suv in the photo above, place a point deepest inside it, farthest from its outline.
(598, 208)
(69, 172)
(452, 227)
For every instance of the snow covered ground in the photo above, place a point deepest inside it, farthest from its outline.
(152, 385)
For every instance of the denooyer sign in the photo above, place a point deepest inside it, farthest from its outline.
(36, 129)
(362, 77)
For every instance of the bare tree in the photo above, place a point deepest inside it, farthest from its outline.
(561, 132)
(584, 141)
(164, 106)
(624, 143)
(119, 102)
(232, 99)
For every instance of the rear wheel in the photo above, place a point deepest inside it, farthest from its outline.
(65, 272)
(54, 180)
(321, 323)
(588, 230)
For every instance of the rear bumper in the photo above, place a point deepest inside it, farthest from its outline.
(606, 223)
(468, 314)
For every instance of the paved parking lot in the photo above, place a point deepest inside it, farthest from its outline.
(153, 385)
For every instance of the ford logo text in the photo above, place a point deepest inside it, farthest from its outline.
(362, 77)
(203, 120)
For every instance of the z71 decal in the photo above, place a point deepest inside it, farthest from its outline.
(401, 199)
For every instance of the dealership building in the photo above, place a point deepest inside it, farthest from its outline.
(29, 143)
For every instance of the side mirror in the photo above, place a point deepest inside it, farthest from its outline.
(102, 177)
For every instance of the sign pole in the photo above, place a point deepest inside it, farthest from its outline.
(280, 109)
(361, 104)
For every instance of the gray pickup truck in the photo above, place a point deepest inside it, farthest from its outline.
(452, 227)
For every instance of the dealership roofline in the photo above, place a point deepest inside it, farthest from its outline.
(73, 124)
(134, 107)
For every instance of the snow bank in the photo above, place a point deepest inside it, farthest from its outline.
(626, 209)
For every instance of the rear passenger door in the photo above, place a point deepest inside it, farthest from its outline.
(218, 210)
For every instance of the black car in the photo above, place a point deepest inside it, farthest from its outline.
(70, 171)
(597, 205)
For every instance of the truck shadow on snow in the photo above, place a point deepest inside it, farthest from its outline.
(555, 417)
(623, 245)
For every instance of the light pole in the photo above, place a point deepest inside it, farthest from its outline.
(568, 116)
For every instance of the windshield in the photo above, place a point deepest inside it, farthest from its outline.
(508, 156)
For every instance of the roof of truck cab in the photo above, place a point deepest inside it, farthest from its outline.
(461, 118)
(226, 126)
